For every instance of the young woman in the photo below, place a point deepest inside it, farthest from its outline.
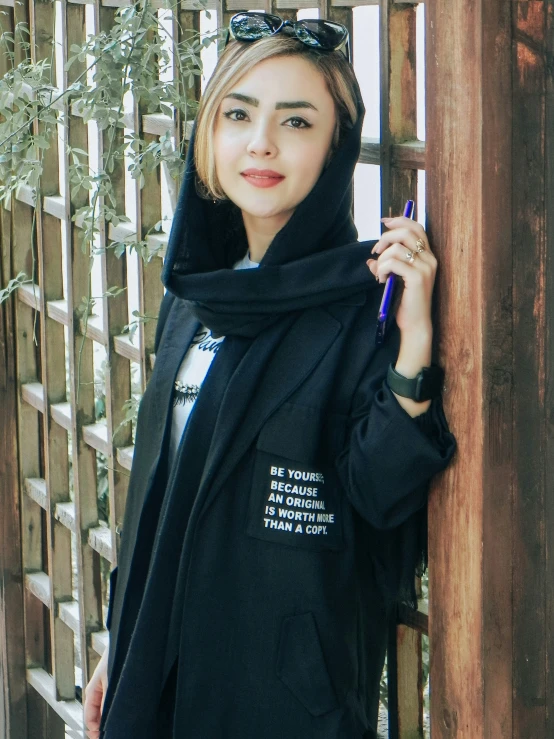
(280, 474)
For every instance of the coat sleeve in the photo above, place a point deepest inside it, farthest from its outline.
(390, 457)
(165, 307)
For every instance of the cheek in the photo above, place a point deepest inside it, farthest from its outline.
(224, 155)
(311, 160)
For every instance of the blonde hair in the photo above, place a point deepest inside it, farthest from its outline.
(239, 58)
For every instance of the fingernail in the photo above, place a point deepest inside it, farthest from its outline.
(385, 220)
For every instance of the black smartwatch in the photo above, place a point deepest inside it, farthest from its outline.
(425, 386)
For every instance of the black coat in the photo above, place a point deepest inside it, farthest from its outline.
(256, 577)
(287, 631)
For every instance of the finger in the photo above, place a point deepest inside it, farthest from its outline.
(104, 689)
(403, 222)
(401, 267)
(405, 236)
(372, 264)
(92, 712)
(92, 731)
(400, 251)
(92, 728)
(424, 262)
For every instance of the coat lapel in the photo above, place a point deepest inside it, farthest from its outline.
(180, 330)
(293, 357)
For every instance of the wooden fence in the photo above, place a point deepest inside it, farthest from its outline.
(489, 63)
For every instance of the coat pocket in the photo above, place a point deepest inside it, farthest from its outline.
(295, 498)
(301, 664)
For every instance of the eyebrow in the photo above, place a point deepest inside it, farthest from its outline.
(278, 106)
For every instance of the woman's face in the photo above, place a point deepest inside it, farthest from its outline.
(273, 133)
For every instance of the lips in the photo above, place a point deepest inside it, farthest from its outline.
(262, 177)
(262, 174)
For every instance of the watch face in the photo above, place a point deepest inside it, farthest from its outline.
(431, 382)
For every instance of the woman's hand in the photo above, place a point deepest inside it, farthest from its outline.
(418, 272)
(404, 250)
(95, 693)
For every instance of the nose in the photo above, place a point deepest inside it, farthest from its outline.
(262, 143)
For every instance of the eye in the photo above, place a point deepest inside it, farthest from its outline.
(236, 112)
(298, 123)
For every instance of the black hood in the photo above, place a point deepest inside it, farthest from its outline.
(315, 259)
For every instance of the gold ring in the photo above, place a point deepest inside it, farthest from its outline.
(410, 256)
(420, 246)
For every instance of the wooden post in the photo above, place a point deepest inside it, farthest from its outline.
(490, 161)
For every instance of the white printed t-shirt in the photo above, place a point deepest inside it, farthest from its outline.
(192, 372)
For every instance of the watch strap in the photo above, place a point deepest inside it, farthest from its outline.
(425, 386)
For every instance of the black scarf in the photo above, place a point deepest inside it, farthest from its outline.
(315, 259)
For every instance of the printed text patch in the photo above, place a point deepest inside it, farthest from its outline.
(292, 503)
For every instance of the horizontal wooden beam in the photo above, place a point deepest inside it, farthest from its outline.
(69, 614)
(100, 539)
(100, 641)
(70, 711)
(125, 456)
(38, 583)
(36, 490)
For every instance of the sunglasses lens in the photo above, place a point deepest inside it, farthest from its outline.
(253, 26)
(321, 34)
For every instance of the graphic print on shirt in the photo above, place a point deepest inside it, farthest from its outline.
(190, 377)
(195, 366)
(291, 503)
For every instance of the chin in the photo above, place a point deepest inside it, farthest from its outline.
(257, 208)
(264, 211)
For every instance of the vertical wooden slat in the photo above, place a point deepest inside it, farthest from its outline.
(149, 208)
(399, 124)
(529, 261)
(80, 369)
(28, 370)
(23, 260)
(455, 222)
(49, 255)
(409, 683)
(114, 275)
(398, 101)
(13, 711)
(498, 347)
(549, 361)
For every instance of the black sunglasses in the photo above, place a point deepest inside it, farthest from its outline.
(318, 34)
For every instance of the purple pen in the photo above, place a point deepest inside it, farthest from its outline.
(385, 308)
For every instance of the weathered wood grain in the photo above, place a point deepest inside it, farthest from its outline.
(116, 316)
(549, 362)
(81, 374)
(54, 446)
(399, 184)
(529, 211)
(488, 66)
(12, 635)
